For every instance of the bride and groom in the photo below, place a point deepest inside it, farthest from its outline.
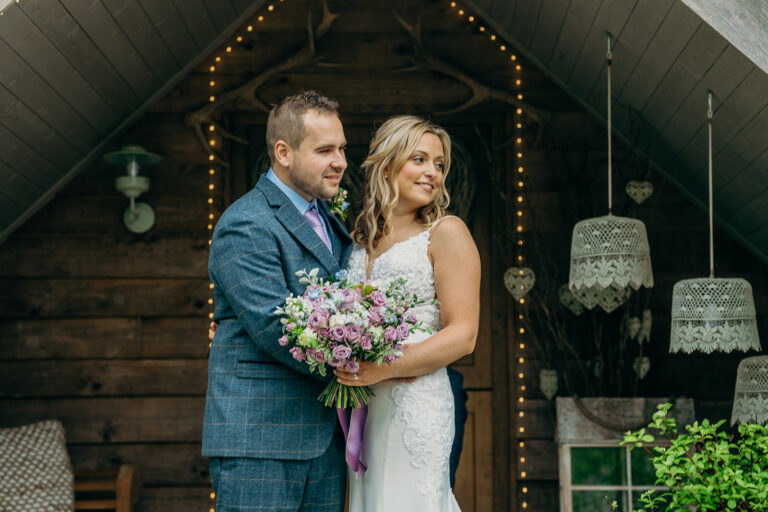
(272, 444)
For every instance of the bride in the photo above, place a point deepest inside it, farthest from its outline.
(403, 231)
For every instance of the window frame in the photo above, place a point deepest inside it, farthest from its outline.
(566, 476)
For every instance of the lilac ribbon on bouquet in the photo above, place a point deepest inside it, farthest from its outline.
(354, 436)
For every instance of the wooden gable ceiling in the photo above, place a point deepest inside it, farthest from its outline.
(75, 73)
(666, 54)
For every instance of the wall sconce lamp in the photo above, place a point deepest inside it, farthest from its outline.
(138, 217)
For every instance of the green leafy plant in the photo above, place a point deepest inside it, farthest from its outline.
(705, 468)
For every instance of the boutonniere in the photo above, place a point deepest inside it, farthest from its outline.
(339, 204)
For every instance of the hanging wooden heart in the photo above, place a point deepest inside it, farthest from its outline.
(633, 326)
(519, 281)
(641, 365)
(639, 191)
(548, 382)
(569, 301)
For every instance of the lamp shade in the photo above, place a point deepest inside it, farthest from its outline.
(609, 256)
(750, 397)
(711, 314)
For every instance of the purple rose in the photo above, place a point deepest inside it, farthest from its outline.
(390, 333)
(378, 299)
(319, 356)
(290, 327)
(411, 318)
(298, 354)
(318, 319)
(352, 365)
(365, 342)
(374, 314)
(402, 331)
(338, 332)
(283, 340)
(349, 296)
(354, 332)
(342, 352)
(336, 362)
(389, 358)
(324, 333)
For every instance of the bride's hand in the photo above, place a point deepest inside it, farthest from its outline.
(368, 374)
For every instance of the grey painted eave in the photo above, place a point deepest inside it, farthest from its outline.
(26, 187)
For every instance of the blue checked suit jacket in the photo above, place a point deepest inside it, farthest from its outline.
(260, 402)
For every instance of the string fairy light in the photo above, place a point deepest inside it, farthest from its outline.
(214, 145)
(519, 234)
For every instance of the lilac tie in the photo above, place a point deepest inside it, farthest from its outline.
(314, 220)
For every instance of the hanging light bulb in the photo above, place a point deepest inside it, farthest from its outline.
(712, 313)
(610, 255)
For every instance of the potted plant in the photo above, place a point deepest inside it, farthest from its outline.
(705, 468)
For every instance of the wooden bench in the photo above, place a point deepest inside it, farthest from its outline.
(108, 490)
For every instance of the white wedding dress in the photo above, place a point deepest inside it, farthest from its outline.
(410, 426)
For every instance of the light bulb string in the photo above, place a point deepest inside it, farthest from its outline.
(711, 215)
(608, 59)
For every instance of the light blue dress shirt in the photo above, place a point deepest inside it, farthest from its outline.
(299, 202)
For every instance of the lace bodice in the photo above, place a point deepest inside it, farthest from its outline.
(407, 259)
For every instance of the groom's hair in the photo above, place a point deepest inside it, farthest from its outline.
(285, 121)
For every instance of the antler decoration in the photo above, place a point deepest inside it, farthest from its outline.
(480, 92)
(247, 92)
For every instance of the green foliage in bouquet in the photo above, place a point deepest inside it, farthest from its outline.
(705, 468)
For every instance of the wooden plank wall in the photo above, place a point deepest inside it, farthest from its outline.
(107, 330)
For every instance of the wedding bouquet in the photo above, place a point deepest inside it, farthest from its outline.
(340, 322)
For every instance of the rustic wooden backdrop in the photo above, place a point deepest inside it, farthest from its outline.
(107, 330)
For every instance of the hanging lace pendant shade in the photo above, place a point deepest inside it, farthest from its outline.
(750, 398)
(610, 257)
(711, 314)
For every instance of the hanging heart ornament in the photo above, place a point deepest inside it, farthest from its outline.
(519, 281)
(641, 365)
(569, 301)
(639, 191)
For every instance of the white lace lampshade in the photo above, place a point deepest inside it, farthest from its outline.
(711, 314)
(750, 398)
(610, 256)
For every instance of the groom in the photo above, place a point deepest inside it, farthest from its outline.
(272, 444)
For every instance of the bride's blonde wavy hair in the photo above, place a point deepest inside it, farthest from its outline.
(391, 147)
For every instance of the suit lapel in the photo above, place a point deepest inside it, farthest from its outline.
(296, 225)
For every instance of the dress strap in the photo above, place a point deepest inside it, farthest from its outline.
(438, 221)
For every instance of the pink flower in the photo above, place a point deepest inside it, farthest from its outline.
(342, 352)
(378, 299)
(283, 340)
(336, 362)
(390, 333)
(391, 357)
(349, 295)
(402, 331)
(298, 354)
(365, 342)
(338, 332)
(375, 316)
(318, 319)
(411, 318)
(319, 356)
(352, 365)
(290, 327)
(353, 332)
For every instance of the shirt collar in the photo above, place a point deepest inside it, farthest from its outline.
(299, 202)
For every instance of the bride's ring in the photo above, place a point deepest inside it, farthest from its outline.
(354, 376)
